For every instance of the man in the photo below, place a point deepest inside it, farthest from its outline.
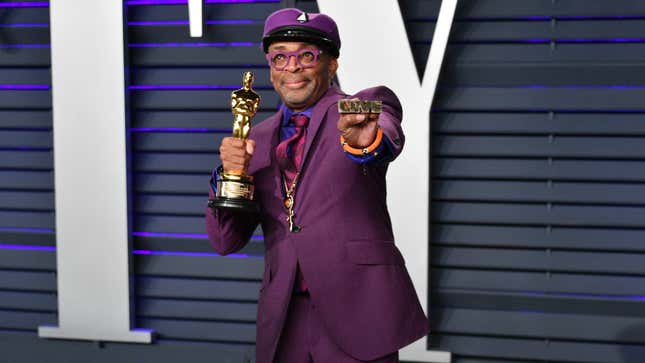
(335, 287)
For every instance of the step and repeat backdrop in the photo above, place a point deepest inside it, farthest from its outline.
(537, 181)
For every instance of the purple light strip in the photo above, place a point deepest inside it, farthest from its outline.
(175, 129)
(175, 235)
(184, 22)
(174, 2)
(30, 248)
(28, 230)
(135, 252)
(8, 46)
(184, 87)
(25, 4)
(198, 254)
(24, 25)
(183, 235)
(218, 44)
(24, 87)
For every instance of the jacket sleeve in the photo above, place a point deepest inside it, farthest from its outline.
(389, 119)
(229, 231)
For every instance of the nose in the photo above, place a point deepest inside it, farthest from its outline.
(292, 64)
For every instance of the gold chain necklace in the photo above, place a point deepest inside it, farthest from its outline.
(290, 201)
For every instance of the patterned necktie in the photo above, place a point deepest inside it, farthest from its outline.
(289, 152)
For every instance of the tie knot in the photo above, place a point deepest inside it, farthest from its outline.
(300, 120)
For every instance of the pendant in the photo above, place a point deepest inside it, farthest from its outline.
(295, 228)
(288, 202)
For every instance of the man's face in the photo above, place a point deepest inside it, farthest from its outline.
(300, 87)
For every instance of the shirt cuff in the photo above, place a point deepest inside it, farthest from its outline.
(381, 154)
(214, 178)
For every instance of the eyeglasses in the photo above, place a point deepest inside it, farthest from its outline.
(306, 58)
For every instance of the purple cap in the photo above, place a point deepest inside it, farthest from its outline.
(293, 24)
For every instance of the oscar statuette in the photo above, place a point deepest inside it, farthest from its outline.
(234, 187)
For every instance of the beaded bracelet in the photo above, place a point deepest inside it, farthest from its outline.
(366, 150)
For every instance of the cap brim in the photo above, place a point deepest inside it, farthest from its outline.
(292, 33)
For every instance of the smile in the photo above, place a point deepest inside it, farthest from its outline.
(295, 84)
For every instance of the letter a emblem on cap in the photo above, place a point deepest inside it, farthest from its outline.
(303, 18)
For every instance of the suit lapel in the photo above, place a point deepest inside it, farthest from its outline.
(266, 135)
(332, 95)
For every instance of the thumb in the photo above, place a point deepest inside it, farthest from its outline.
(250, 146)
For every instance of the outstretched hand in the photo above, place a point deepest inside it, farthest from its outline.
(358, 129)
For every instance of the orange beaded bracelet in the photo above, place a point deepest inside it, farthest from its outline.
(366, 150)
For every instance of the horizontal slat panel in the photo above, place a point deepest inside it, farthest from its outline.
(224, 11)
(192, 99)
(255, 247)
(42, 201)
(543, 74)
(526, 282)
(25, 139)
(540, 146)
(26, 320)
(200, 76)
(24, 76)
(562, 52)
(26, 119)
(538, 302)
(177, 163)
(32, 219)
(540, 237)
(25, 15)
(33, 99)
(590, 99)
(195, 142)
(200, 330)
(509, 31)
(25, 35)
(167, 224)
(540, 214)
(250, 268)
(17, 57)
(538, 325)
(27, 280)
(555, 169)
(45, 302)
(168, 287)
(538, 123)
(540, 349)
(220, 120)
(173, 183)
(534, 260)
(28, 260)
(27, 346)
(199, 310)
(26, 159)
(27, 180)
(556, 192)
(172, 204)
(513, 9)
(197, 56)
(213, 33)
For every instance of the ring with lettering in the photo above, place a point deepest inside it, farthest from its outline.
(359, 106)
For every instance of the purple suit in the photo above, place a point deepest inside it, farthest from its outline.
(355, 274)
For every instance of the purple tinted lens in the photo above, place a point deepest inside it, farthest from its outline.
(306, 58)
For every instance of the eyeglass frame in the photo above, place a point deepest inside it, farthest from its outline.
(296, 54)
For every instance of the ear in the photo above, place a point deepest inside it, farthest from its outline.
(333, 67)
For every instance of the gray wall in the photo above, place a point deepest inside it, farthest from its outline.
(537, 183)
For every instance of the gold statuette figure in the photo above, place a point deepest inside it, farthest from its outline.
(234, 187)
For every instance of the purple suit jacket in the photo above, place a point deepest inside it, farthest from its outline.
(355, 274)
